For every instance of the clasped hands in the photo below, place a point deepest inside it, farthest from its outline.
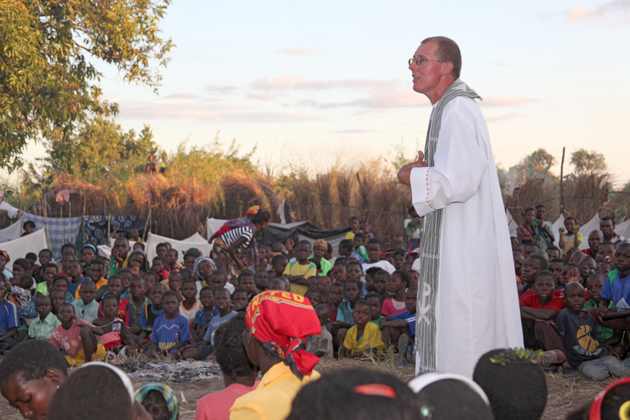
(404, 175)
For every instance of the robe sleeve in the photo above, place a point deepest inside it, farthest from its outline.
(460, 162)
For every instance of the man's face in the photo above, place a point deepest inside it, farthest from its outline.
(427, 75)
(595, 239)
(607, 228)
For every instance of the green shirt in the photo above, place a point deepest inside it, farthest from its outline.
(41, 330)
(603, 333)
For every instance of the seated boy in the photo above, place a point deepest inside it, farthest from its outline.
(8, 321)
(364, 336)
(594, 360)
(143, 329)
(86, 307)
(594, 284)
(77, 338)
(42, 327)
(171, 330)
(401, 327)
(538, 312)
(298, 271)
(321, 345)
(531, 266)
(205, 314)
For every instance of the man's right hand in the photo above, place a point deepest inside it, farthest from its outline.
(404, 175)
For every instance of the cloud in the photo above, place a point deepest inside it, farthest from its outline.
(263, 96)
(290, 82)
(614, 11)
(299, 51)
(355, 131)
(183, 96)
(220, 89)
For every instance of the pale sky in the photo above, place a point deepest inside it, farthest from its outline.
(313, 82)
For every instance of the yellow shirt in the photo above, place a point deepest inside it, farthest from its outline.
(371, 338)
(297, 269)
(273, 397)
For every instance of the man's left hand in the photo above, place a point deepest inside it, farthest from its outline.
(404, 175)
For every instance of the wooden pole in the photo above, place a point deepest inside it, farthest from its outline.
(562, 183)
(46, 222)
(63, 228)
(69, 220)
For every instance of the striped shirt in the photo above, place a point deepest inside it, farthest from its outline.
(235, 234)
(41, 330)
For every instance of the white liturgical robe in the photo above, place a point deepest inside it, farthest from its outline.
(477, 306)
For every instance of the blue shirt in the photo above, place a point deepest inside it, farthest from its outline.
(358, 257)
(202, 319)
(72, 287)
(8, 317)
(410, 318)
(344, 313)
(169, 332)
(618, 292)
(214, 324)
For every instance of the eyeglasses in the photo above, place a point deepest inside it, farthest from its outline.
(421, 60)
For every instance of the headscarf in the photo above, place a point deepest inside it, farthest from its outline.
(321, 242)
(167, 393)
(252, 211)
(281, 321)
(6, 256)
(198, 261)
(145, 266)
(92, 247)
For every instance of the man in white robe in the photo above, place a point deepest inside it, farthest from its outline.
(473, 305)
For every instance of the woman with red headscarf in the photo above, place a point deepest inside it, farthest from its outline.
(275, 340)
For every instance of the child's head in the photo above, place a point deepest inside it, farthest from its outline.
(279, 264)
(361, 313)
(399, 280)
(115, 286)
(74, 269)
(45, 256)
(622, 257)
(25, 281)
(240, 300)
(400, 256)
(604, 268)
(354, 270)
(278, 284)
(381, 282)
(230, 351)
(60, 282)
(545, 285)
(138, 287)
(246, 281)
(68, 249)
(411, 298)
(556, 266)
(186, 274)
(606, 252)
(338, 272)
(4, 259)
(303, 251)
(319, 248)
(571, 273)
(43, 306)
(261, 280)
(21, 266)
(206, 296)
(414, 278)
(531, 266)
(171, 256)
(569, 224)
(189, 261)
(65, 314)
(574, 297)
(109, 306)
(138, 245)
(553, 252)
(189, 290)
(205, 268)
(158, 264)
(32, 258)
(529, 215)
(156, 294)
(519, 258)
(219, 279)
(57, 298)
(314, 297)
(374, 250)
(354, 223)
(323, 314)
(121, 248)
(96, 269)
(311, 282)
(161, 249)
(223, 301)
(150, 278)
(30, 375)
(170, 303)
(374, 300)
(325, 298)
(358, 240)
(352, 290)
(594, 284)
(588, 266)
(324, 284)
(337, 293)
(576, 257)
(50, 271)
(175, 281)
(88, 253)
(87, 291)
(531, 248)
(346, 247)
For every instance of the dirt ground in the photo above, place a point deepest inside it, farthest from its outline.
(564, 395)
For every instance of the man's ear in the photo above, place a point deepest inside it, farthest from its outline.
(447, 68)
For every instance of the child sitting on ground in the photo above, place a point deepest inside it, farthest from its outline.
(42, 327)
(352, 293)
(531, 266)
(136, 298)
(594, 284)
(9, 322)
(77, 338)
(246, 281)
(298, 271)
(324, 284)
(190, 305)
(115, 332)
(375, 307)
(278, 265)
(239, 300)
(338, 272)
(556, 266)
(311, 282)
(364, 336)
(171, 330)
(86, 307)
(314, 297)
(381, 284)
(261, 280)
(60, 282)
(538, 312)
(395, 304)
(159, 269)
(375, 252)
(57, 297)
(124, 307)
(319, 251)
(205, 314)
(401, 327)
(49, 271)
(143, 329)
(150, 279)
(584, 352)
(95, 272)
(336, 297)
(321, 345)
(20, 295)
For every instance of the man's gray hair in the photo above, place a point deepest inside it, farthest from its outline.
(448, 51)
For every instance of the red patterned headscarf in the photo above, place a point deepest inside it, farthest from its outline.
(281, 321)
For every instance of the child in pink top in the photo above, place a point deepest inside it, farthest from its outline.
(398, 284)
(239, 375)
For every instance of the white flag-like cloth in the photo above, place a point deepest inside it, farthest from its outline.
(476, 302)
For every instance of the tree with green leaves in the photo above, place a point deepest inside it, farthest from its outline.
(587, 162)
(49, 84)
